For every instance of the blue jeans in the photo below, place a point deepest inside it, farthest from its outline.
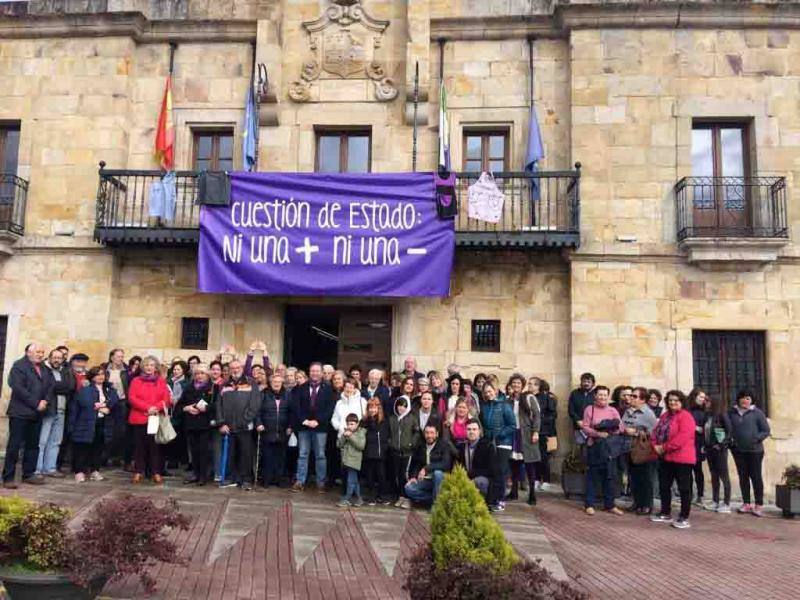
(604, 473)
(424, 491)
(50, 442)
(305, 440)
(483, 484)
(353, 489)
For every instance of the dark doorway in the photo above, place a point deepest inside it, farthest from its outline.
(311, 334)
(338, 335)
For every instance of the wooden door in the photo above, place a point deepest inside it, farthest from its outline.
(365, 338)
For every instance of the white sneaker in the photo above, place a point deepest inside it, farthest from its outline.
(660, 519)
(724, 509)
(538, 486)
(80, 478)
(95, 476)
(712, 506)
(681, 524)
(546, 487)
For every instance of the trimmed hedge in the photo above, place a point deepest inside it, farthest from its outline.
(463, 530)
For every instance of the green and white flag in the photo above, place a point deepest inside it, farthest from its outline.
(444, 130)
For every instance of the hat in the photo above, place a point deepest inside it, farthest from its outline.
(79, 356)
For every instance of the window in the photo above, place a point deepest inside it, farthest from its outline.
(720, 150)
(9, 148)
(213, 150)
(485, 150)
(486, 336)
(726, 362)
(194, 333)
(348, 151)
(9, 155)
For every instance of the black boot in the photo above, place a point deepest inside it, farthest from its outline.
(513, 495)
(531, 496)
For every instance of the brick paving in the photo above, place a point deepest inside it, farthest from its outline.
(273, 544)
(721, 557)
(265, 544)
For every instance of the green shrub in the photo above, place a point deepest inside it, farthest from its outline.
(12, 510)
(462, 530)
(791, 476)
(45, 531)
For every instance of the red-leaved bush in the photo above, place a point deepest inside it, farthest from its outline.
(123, 536)
(466, 581)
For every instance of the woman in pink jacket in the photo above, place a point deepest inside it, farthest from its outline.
(673, 441)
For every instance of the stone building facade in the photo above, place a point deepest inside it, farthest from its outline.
(643, 94)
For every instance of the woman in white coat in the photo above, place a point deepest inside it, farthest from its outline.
(350, 401)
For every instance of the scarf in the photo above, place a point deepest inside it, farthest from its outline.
(662, 429)
(201, 387)
(149, 378)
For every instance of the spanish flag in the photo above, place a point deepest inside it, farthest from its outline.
(165, 134)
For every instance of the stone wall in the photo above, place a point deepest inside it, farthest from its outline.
(634, 95)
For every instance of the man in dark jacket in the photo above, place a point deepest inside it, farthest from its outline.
(237, 408)
(30, 382)
(53, 419)
(580, 398)
(410, 368)
(274, 423)
(374, 388)
(312, 409)
(429, 463)
(479, 458)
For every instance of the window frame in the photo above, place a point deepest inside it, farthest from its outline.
(475, 324)
(5, 127)
(486, 133)
(344, 133)
(216, 133)
(186, 322)
(716, 126)
(725, 343)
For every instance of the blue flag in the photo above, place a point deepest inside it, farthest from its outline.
(250, 131)
(535, 152)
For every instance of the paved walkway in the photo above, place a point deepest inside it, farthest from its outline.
(735, 557)
(274, 544)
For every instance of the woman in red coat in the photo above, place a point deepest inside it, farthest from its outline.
(148, 394)
(673, 441)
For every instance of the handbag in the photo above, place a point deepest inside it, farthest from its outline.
(552, 444)
(485, 199)
(166, 432)
(642, 450)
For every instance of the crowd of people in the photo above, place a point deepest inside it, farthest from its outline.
(634, 432)
(391, 435)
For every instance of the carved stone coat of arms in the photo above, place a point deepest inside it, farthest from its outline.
(344, 42)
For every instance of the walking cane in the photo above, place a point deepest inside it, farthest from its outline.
(223, 461)
(258, 458)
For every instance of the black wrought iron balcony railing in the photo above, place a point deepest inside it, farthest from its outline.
(539, 210)
(13, 196)
(731, 207)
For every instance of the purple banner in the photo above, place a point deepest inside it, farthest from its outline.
(318, 234)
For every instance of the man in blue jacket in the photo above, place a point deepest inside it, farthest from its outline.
(312, 407)
(30, 382)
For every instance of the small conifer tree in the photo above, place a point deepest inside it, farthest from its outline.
(462, 529)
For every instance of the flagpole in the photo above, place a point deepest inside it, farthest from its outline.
(530, 70)
(416, 105)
